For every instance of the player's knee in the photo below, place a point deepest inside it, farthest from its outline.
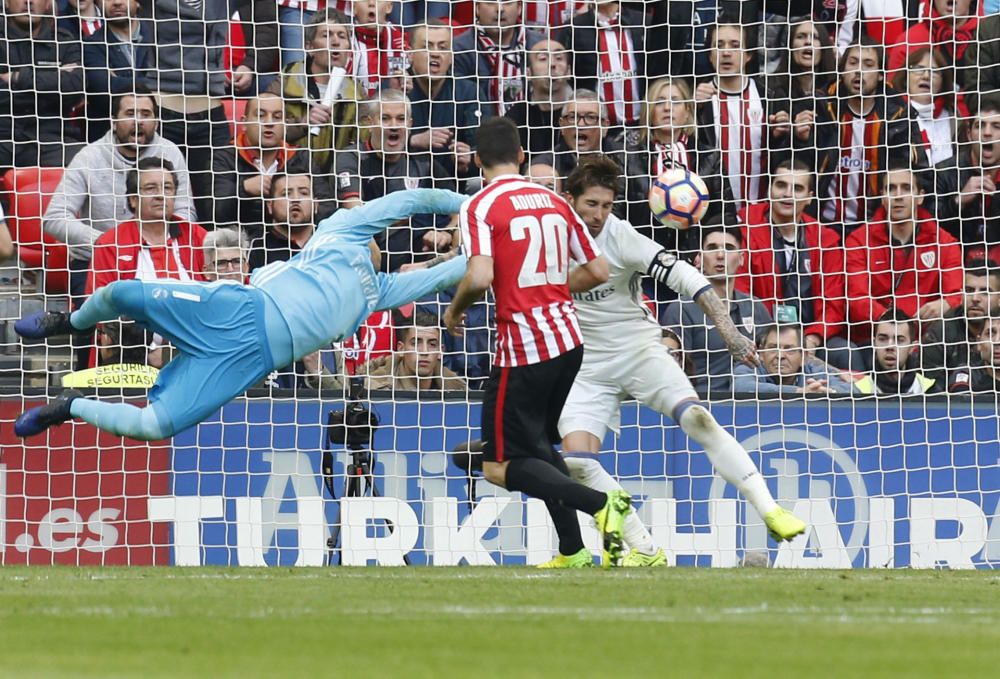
(147, 427)
(697, 422)
(495, 473)
(582, 467)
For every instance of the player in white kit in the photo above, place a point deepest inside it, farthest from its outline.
(623, 356)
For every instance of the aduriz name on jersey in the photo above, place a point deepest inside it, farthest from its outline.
(531, 201)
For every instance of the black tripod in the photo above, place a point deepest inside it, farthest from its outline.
(354, 426)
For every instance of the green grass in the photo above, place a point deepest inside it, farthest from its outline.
(483, 622)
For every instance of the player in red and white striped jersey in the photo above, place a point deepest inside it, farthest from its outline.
(519, 238)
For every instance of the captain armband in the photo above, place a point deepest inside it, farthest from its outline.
(661, 266)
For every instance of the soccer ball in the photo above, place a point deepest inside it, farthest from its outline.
(678, 198)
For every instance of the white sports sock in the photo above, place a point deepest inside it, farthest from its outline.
(588, 471)
(728, 457)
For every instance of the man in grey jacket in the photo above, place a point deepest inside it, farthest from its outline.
(786, 368)
(721, 257)
(91, 197)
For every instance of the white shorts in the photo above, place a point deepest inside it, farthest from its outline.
(650, 375)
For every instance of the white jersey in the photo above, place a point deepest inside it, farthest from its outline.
(613, 315)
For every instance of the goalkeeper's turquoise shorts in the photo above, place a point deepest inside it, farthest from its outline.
(219, 330)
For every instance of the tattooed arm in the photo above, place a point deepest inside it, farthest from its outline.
(741, 347)
(689, 282)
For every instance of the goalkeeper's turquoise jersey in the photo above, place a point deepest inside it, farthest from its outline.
(327, 291)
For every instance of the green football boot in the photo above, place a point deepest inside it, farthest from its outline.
(636, 559)
(783, 525)
(582, 559)
(611, 522)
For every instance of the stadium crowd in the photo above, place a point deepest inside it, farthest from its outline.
(852, 161)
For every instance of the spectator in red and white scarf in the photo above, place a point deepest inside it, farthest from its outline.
(928, 88)
(736, 116)
(948, 25)
(380, 51)
(666, 138)
(551, 14)
(550, 86)
(608, 44)
(494, 53)
(81, 18)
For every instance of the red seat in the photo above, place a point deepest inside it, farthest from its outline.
(235, 108)
(29, 191)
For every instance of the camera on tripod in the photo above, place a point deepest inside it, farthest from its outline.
(355, 425)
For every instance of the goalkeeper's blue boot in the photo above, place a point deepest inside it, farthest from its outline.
(42, 324)
(611, 522)
(582, 559)
(56, 411)
(783, 525)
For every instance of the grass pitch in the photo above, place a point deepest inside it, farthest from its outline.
(485, 622)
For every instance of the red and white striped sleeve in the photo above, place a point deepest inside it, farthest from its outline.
(477, 238)
(582, 247)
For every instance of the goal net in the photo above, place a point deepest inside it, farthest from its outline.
(851, 154)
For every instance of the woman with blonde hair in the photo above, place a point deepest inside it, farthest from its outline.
(666, 138)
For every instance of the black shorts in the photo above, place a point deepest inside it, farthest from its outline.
(521, 407)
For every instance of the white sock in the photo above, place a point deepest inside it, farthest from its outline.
(588, 471)
(728, 457)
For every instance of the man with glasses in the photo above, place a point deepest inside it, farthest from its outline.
(224, 259)
(786, 368)
(583, 131)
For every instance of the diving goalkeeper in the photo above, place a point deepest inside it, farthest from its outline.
(230, 336)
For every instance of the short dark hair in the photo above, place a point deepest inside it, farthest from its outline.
(148, 163)
(407, 324)
(988, 102)
(128, 341)
(332, 15)
(979, 267)
(498, 142)
(899, 163)
(283, 176)
(139, 90)
(897, 315)
(864, 43)
(779, 328)
(716, 226)
(593, 170)
(795, 165)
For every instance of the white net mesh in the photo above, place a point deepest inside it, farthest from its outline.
(851, 152)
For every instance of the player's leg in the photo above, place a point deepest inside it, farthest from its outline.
(592, 405)
(663, 386)
(399, 289)
(609, 521)
(733, 463)
(516, 457)
(121, 298)
(225, 347)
